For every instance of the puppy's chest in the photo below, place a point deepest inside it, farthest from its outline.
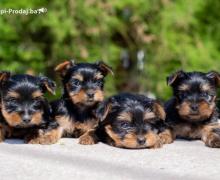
(74, 126)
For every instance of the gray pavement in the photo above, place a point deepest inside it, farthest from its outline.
(69, 160)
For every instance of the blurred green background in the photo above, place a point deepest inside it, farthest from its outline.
(143, 40)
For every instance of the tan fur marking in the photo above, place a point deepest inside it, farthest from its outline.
(78, 77)
(149, 115)
(116, 140)
(98, 76)
(204, 111)
(62, 66)
(49, 137)
(210, 138)
(153, 140)
(205, 87)
(166, 136)
(37, 94)
(130, 141)
(125, 116)
(36, 118)
(12, 119)
(13, 94)
(79, 97)
(184, 87)
(88, 138)
(99, 96)
(74, 127)
(159, 111)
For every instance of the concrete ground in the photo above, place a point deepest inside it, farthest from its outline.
(69, 160)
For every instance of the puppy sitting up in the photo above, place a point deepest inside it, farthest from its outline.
(192, 112)
(24, 110)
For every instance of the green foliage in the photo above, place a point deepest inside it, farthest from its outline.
(174, 35)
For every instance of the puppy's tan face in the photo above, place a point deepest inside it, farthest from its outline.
(22, 110)
(195, 94)
(136, 128)
(204, 110)
(133, 141)
(197, 101)
(86, 87)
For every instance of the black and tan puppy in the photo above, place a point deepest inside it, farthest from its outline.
(82, 91)
(24, 110)
(192, 112)
(131, 121)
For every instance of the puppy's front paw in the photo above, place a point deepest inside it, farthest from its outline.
(213, 139)
(166, 137)
(87, 139)
(158, 144)
(44, 138)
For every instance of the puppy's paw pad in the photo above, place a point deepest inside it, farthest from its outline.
(87, 140)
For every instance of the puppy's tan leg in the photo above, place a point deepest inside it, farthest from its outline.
(211, 136)
(166, 136)
(46, 137)
(2, 133)
(88, 138)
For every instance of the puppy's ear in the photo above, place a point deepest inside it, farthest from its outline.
(63, 67)
(47, 85)
(4, 76)
(174, 77)
(103, 110)
(159, 110)
(104, 68)
(215, 76)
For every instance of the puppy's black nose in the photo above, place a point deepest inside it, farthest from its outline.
(90, 94)
(26, 118)
(194, 107)
(141, 141)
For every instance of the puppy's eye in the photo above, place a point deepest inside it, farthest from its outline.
(204, 94)
(183, 95)
(37, 105)
(12, 99)
(76, 82)
(99, 82)
(124, 125)
(38, 99)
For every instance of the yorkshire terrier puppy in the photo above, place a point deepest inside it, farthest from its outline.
(192, 112)
(131, 121)
(82, 92)
(24, 110)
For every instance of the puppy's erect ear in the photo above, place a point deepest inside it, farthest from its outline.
(159, 110)
(63, 67)
(174, 77)
(47, 85)
(104, 68)
(4, 76)
(103, 110)
(215, 76)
